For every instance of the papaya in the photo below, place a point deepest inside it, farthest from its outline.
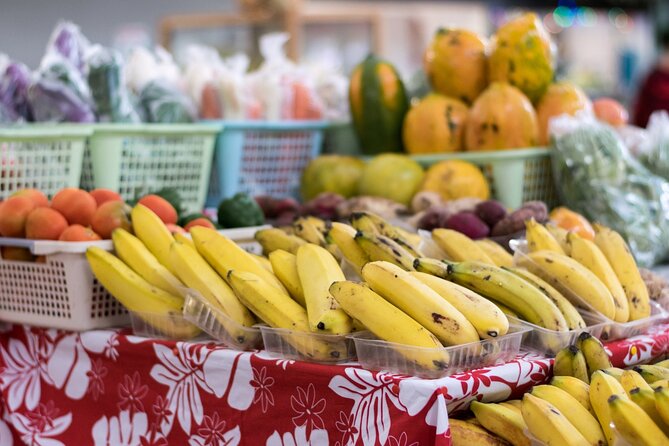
(435, 124)
(393, 176)
(454, 179)
(455, 64)
(378, 103)
(560, 98)
(331, 173)
(521, 54)
(501, 118)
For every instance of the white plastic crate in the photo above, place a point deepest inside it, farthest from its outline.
(59, 293)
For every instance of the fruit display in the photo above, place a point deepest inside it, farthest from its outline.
(425, 129)
(561, 97)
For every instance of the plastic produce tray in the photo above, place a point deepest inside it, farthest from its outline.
(172, 326)
(310, 347)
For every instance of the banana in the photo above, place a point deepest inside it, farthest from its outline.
(412, 238)
(540, 239)
(196, 273)
(570, 361)
(571, 278)
(500, 286)
(151, 230)
(181, 238)
(484, 315)
(602, 387)
(458, 247)
(615, 372)
(645, 399)
(262, 261)
(495, 252)
(513, 404)
(661, 383)
(284, 265)
(272, 239)
(664, 363)
(621, 260)
(136, 255)
(652, 373)
(571, 315)
(138, 295)
(552, 425)
(559, 234)
(380, 247)
(464, 433)
(317, 270)
(632, 380)
(343, 236)
(662, 403)
(278, 310)
(224, 255)
(506, 310)
(633, 424)
(420, 302)
(389, 323)
(373, 224)
(589, 255)
(593, 350)
(576, 388)
(310, 229)
(503, 421)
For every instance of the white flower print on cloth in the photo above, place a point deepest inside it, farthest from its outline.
(131, 392)
(124, 430)
(318, 437)
(38, 428)
(110, 350)
(401, 440)
(212, 433)
(371, 392)
(262, 383)
(307, 408)
(6, 437)
(346, 425)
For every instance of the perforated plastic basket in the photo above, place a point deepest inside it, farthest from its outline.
(47, 158)
(263, 158)
(515, 176)
(59, 293)
(138, 159)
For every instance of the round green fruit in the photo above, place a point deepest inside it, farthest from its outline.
(393, 176)
(331, 173)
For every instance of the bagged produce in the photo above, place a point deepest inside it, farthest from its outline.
(655, 149)
(68, 41)
(235, 90)
(203, 66)
(164, 104)
(14, 82)
(596, 176)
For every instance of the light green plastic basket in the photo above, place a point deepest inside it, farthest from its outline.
(43, 157)
(515, 176)
(142, 158)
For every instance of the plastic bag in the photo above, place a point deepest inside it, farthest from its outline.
(105, 79)
(237, 96)
(596, 176)
(165, 104)
(14, 81)
(655, 150)
(68, 41)
(203, 67)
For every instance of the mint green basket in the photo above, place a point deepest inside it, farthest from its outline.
(43, 157)
(135, 159)
(515, 176)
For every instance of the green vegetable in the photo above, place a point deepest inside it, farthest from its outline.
(240, 211)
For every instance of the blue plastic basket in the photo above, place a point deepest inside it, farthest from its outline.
(263, 158)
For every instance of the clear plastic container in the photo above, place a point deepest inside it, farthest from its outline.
(376, 354)
(612, 331)
(219, 326)
(310, 347)
(173, 326)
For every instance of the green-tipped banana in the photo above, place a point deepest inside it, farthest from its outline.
(503, 421)
(593, 350)
(633, 424)
(602, 387)
(652, 373)
(548, 424)
(382, 248)
(272, 239)
(645, 399)
(576, 388)
(284, 265)
(570, 361)
(343, 236)
(372, 223)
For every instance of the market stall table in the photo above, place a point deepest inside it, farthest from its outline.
(105, 387)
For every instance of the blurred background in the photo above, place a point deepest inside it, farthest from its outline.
(606, 46)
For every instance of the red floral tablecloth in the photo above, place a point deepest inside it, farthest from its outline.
(103, 387)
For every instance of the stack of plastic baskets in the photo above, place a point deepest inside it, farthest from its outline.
(139, 159)
(47, 158)
(263, 158)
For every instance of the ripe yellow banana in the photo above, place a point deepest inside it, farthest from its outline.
(151, 230)
(458, 247)
(262, 261)
(181, 238)
(633, 424)
(589, 255)
(224, 255)
(540, 239)
(576, 388)
(645, 399)
(593, 350)
(495, 252)
(373, 224)
(317, 270)
(484, 315)
(578, 416)
(664, 363)
(571, 315)
(343, 236)
(380, 247)
(559, 234)
(284, 265)
(500, 286)
(503, 421)
(138, 295)
(615, 372)
(548, 424)
(506, 310)
(389, 323)
(622, 261)
(571, 278)
(632, 380)
(602, 387)
(662, 403)
(513, 404)
(570, 361)
(420, 302)
(661, 383)
(136, 255)
(652, 373)
(465, 433)
(310, 229)
(272, 239)
(278, 310)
